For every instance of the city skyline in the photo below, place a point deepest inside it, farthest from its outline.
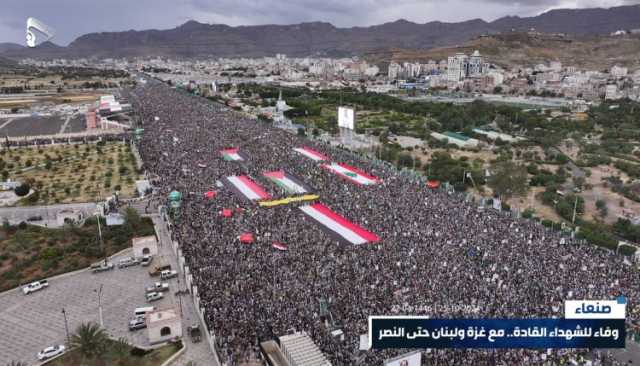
(72, 18)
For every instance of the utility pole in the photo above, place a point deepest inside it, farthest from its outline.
(66, 326)
(575, 206)
(100, 242)
(99, 291)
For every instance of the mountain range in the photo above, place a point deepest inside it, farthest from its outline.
(196, 40)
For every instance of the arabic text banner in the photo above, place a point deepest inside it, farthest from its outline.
(422, 332)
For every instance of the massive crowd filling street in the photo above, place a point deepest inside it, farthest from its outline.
(438, 255)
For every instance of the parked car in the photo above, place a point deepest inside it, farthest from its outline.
(34, 218)
(35, 286)
(169, 273)
(143, 311)
(128, 262)
(51, 352)
(158, 287)
(137, 323)
(153, 296)
(146, 260)
(194, 333)
(104, 266)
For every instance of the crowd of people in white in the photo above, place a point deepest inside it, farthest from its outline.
(438, 255)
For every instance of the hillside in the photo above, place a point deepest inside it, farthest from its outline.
(509, 49)
(193, 39)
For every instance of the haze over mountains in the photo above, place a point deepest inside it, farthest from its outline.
(194, 40)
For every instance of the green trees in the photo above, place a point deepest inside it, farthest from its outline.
(508, 179)
(90, 340)
(22, 190)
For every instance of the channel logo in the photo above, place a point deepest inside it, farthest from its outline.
(34, 25)
(595, 309)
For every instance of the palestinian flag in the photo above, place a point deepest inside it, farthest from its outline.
(279, 246)
(232, 155)
(353, 174)
(244, 187)
(337, 226)
(311, 154)
(288, 182)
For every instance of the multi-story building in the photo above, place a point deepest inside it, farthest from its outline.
(456, 67)
(618, 71)
(394, 70)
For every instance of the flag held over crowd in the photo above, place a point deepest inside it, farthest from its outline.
(288, 182)
(338, 226)
(210, 194)
(244, 187)
(233, 154)
(280, 246)
(311, 154)
(246, 238)
(353, 174)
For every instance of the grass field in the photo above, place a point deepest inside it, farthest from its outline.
(72, 173)
(29, 253)
(155, 357)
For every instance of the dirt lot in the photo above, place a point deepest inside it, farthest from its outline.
(613, 199)
(74, 173)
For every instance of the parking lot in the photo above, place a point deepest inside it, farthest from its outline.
(29, 323)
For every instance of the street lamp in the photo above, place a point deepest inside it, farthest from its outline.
(99, 291)
(66, 326)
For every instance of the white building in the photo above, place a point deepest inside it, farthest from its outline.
(611, 92)
(619, 72)
(456, 67)
(300, 350)
(145, 245)
(163, 325)
(394, 70)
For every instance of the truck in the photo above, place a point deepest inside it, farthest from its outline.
(158, 287)
(166, 274)
(35, 286)
(161, 265)
(104, 266)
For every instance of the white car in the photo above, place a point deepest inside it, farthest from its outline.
(153, 296)
(169, 273)
(158, 287)
(35, 286)
(50, 352)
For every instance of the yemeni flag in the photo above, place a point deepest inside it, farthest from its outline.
(337, 226)
(232, 154)
(311, 154)
(353, 174)
(280, 246)
(244, 187)
(288, 182)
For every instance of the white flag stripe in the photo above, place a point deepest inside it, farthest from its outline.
(295, 187)
(359, 178)
(243, 188)
(334, 226)
(308, 154)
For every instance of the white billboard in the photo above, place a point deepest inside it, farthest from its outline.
(346, 118)
(408, 359)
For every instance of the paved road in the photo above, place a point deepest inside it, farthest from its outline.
(48, 213)
(29, 323)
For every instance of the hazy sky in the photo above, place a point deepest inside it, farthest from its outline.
(71, 18)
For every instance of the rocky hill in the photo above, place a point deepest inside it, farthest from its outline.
(194, 39)
(527, 49)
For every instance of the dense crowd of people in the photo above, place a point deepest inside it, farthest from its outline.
(438, 254)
